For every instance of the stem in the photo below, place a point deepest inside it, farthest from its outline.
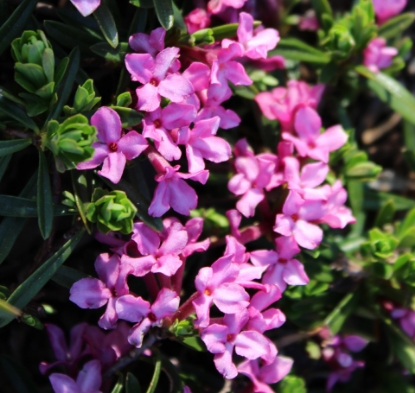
(134, 355)
(165, 282)
(186, 308)
(152, 285)
(19, 133)
(177, 279)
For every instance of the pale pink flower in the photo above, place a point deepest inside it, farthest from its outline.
(152, 43)
(216, 6)
(309, 21)
(197, 19)
(86, 7)
(386, 9)
(377, 55)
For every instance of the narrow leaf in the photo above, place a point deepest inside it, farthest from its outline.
(4, 162)
(164, 12)
(16, 23)
(10, 227)
(26, 291)
(394, 27)
(156, 375)
(323, 12)
(107, 25)
(44, 198)
(119, 386)
(338, 316)
(109, 53)
(65, 85)
(9, 147)
(131, 384)
(391, 92)
(81, 195)
(11, 206)
(7, 310)
(14, 111)
(374, 200)
(142, 3)
(386, 214)
(67, 276)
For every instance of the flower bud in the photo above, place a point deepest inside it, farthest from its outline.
(111, 211)
(70, 142)
(29, 47)
(84, 100)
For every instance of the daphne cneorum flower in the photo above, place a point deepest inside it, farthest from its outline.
(111, 211)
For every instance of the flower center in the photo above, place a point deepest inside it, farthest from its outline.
(113, 146)
(311, 144)
(157, 123)
(282, 260)
(154, 82)
(207, 292)
(230, 338)
(152, 317)
(295, 217)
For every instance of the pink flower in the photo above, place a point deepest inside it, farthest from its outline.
(153, 74)
(113, 149)
(112, 283)
(144, 43)
(255, 173)
(88, 381)
(309, 21)
(135, 309)
(197, 19)
(172, 191)
(153, 257)
(216, 284)
(86, 7)
(310, 142)
(242, 236)
(222, 339)
(267, 374)
(270, 64)
(282, 103)
(256, 42)
(406, 319)
(377, 55)
(201, 143)
(386, 9)
(295, 220)
(216, 6)
(64, 355)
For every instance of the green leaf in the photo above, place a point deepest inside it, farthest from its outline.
(14, 111)
(129, 117)
(407, 223)
(131, 384)
(386, 214)
(16, 23)
(81, 195)
(17, 375)
(323, 12)
(109, 53)
(10, 227)
(409, 135)
(294, 49)
(9, 147)
(164, 12)
(119, 386)
(4, 162)
(64, 87)
(401, 345)
(7, 310)
(67, 276)
(142, 3)
(107, 25)
(292, 384)
(44, 197)
(374, 200)
(139, 202)
(394, 27)
(11, 206)
(156, 375)
(391, 92)
(194, 343)
(26, 291)
(341, 312)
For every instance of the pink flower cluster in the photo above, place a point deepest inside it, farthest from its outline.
(337, 354)
(91, 349)
(377, 55)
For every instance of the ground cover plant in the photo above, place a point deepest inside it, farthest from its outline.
(207, 196)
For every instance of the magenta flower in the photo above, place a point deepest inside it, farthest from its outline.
(309, 21)
(336, 214)
(282, 103)
(162, 126)
(95, 293)
(144, 43)
(153, 257)
(261, 377)
(246, 234)
(135, 309)
(256, 42)
(88, 381)
(255, 173)
(222, 339)
(201, 143)
(295, 220)
(197, 19)
(310, 143)
(386, 9)
(216, 284)
(172, 191)
(113, 148)
(65, 356)
(216, 6)
(86, 7)
(153, 74)
(406, 318)
(377, 55)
